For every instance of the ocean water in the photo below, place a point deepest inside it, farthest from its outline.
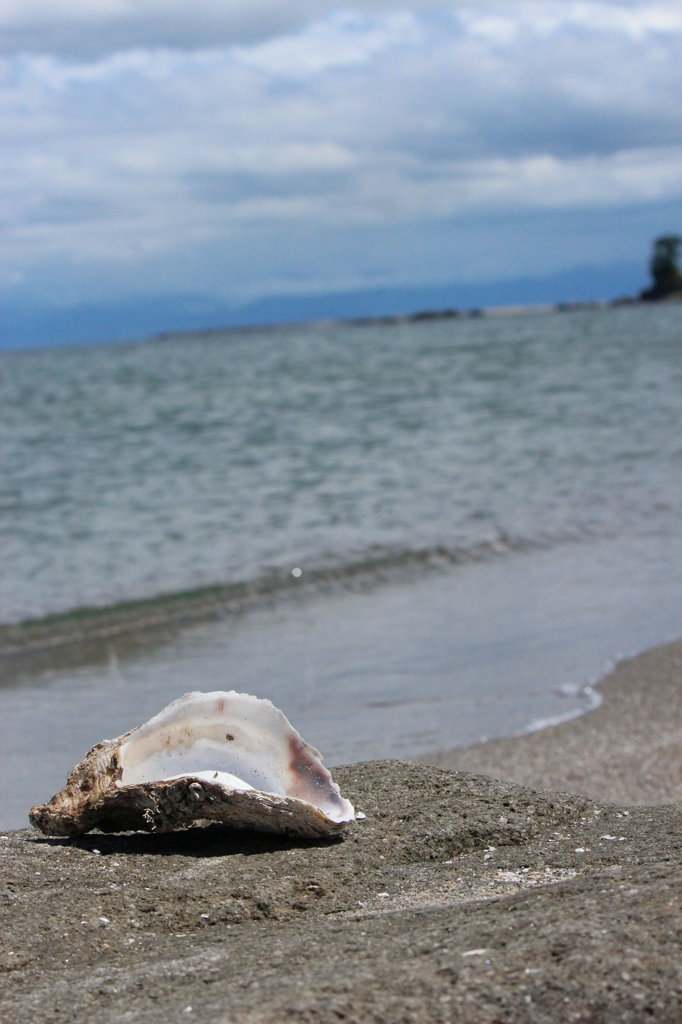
(129, 471)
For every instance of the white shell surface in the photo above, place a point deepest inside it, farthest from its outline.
(233, 740)
(219, 778)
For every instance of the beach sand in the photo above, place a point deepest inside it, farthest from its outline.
(629, 750)
(458, 898)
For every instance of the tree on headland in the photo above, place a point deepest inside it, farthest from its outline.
(665, 271)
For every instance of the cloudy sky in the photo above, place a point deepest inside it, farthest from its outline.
(241, 148)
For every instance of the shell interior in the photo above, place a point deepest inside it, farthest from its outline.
(233, 740)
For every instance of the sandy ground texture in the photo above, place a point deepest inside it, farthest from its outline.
(627, 751)
(457, 898)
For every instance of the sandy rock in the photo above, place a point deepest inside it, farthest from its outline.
(455, 899)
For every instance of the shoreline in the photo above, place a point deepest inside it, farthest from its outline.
(634, 740)
(463, 681)
(83, 634)
(422, 316)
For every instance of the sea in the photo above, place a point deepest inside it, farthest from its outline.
(497, 499)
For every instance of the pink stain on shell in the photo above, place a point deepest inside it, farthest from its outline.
(312, 780)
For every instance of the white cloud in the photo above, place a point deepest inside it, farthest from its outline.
(354, 120)
(501, 24)
(342, 41)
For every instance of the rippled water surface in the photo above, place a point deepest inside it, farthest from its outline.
(132, 470)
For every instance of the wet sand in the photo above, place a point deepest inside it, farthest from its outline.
(627, 751)
(458, 898)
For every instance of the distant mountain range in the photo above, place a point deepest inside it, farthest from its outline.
(25, 324)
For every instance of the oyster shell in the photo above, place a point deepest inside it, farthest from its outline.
(221, 756)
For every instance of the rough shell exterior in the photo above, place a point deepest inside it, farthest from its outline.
(95, 797)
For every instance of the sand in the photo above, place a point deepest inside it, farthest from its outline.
(457, 898)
